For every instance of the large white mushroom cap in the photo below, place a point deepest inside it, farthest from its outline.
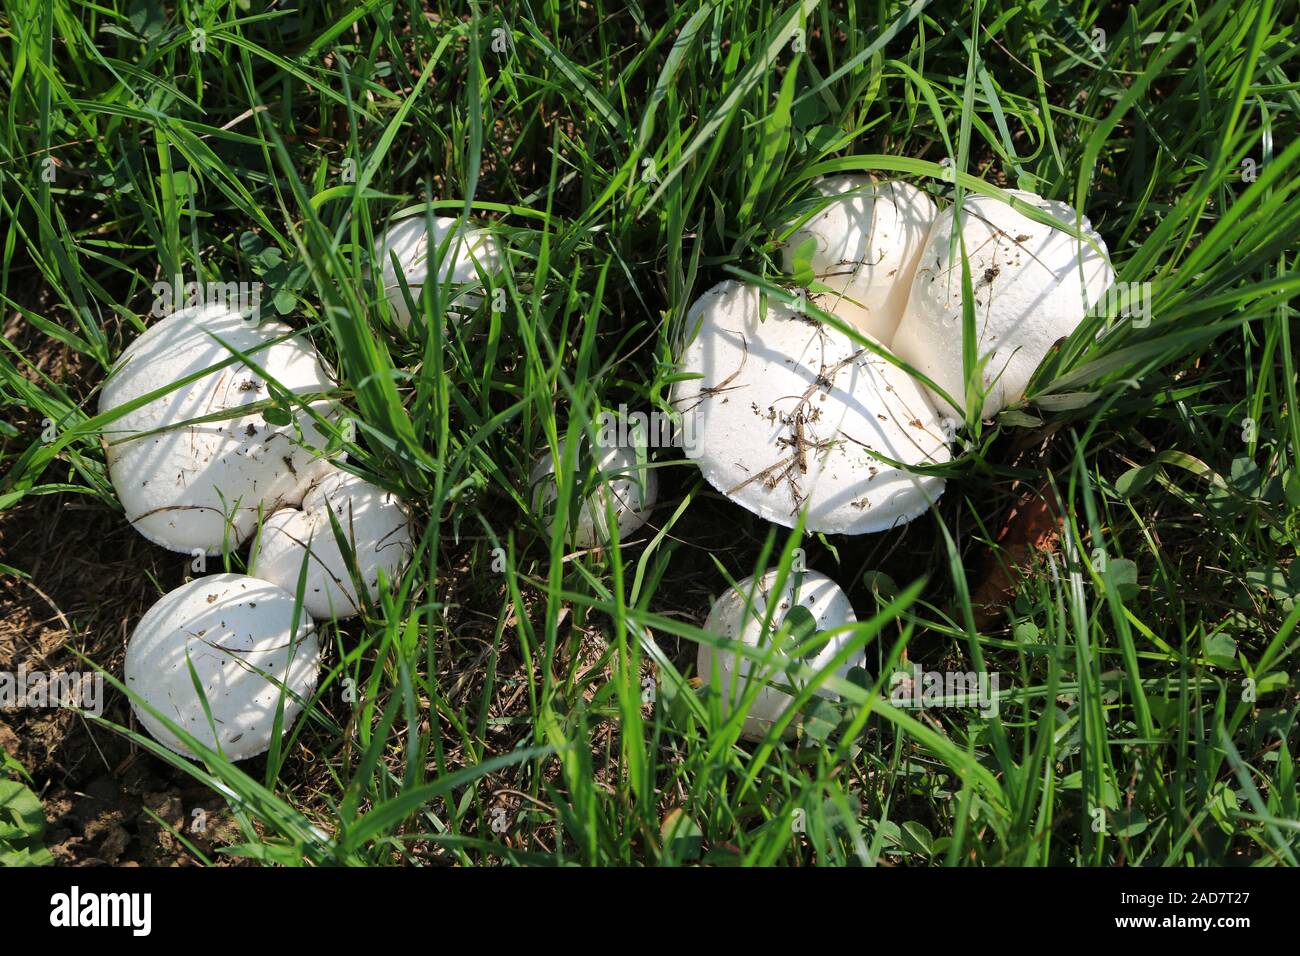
(469, 251)
(376, 524)
(188, 488)
(1033, 285)
(629, 486)
(865, 245)
(738, 616)
(236, 631)
(786, 414)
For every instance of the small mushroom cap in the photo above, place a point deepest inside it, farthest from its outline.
(1033, 285)
(375, 522)
(631, 489)
(865, 245)
(469, 251)
(235, 631)
(738, 616)
(787, 412)
(188, 488)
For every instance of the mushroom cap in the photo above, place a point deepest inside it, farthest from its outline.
(866, 244)
(787, 412)
(630, 488)
(470, 250)
(376, 523)
(183, 487)
(738, 616)
(1033, 285)
(235, 631)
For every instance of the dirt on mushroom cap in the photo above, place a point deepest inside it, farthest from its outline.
(1032, 284)
(236, 633)
(198, 486)
(789, 413)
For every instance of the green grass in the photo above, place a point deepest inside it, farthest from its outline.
(629, 158)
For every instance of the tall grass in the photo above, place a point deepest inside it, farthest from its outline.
(628, 157)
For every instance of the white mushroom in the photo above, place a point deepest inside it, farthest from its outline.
(461, 253)
(788, 413)
(627, 485)
(865, 245)
(738, 616)
(191, 487)
(375, 523)
(1033, 285)
(237, 632)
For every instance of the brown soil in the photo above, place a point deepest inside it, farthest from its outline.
(90, 578)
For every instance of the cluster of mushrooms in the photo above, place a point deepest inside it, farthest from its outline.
(784, 413)
(787, 414)
(196, 475)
